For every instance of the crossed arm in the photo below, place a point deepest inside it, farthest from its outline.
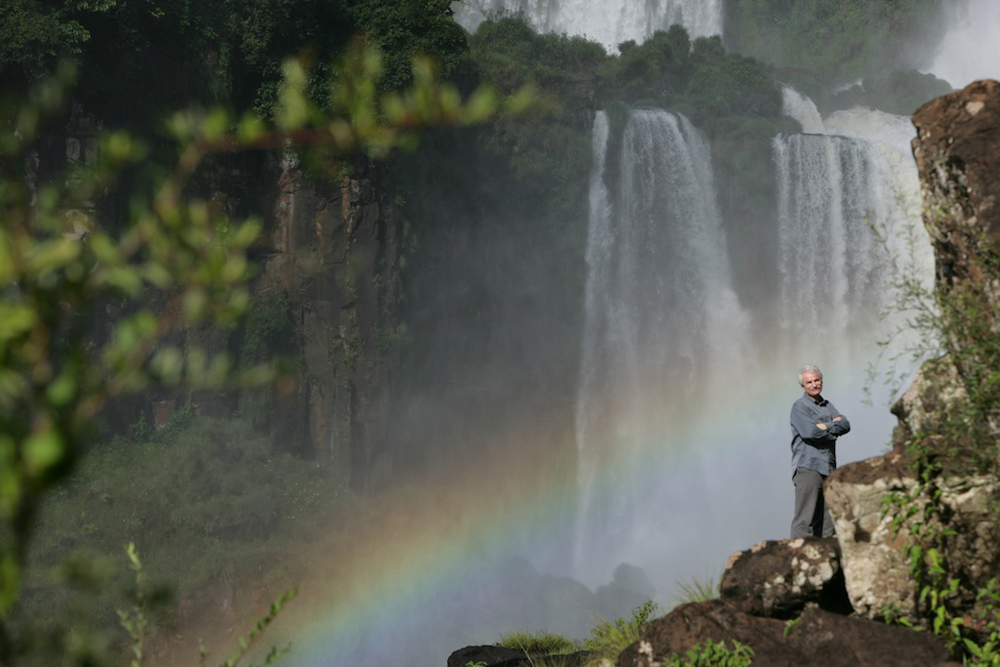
(821, 426)
(818, 431)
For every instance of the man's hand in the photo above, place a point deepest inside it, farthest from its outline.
(821, 426)
(836, 419)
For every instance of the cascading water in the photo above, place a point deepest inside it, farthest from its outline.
(609, 22)
(676, 412)
(844, 194)
(662, 322)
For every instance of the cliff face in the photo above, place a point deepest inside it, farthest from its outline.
(334, 250)
(957, 149)
(958, 154)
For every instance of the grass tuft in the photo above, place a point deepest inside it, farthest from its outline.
(609, 639)
(547, 643)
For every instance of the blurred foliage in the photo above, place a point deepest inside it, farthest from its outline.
(94, 309)
(63, 273)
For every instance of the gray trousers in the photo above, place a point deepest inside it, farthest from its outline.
(811, 517)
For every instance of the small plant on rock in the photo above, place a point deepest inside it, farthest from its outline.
(609, 639)
(698, 591)
(711, 654)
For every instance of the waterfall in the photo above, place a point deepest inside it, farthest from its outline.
(845, 195)
(662, 322)
(682, 404)
(609, 22)
(801, 108)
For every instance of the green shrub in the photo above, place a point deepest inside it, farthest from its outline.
(609, 639)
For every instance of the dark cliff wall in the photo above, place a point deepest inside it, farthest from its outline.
(330, 255)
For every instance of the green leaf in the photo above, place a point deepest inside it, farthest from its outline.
(216, 123)
(168, 363)
(293, 106)
(43, 450)
(10, 481)
(251, 128)
(9, 582)
(61, 390)
(53, 255)
(15, 320)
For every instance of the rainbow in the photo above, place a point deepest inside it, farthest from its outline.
(427, 573)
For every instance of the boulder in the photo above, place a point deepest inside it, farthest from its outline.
(489, 656)
(874, 532)
(876, 574)
(498, 656)
(779, 578)
(817, 639)
(924, 408)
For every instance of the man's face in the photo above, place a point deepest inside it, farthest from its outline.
(812, 383)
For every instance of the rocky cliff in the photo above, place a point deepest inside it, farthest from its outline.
(325, 300)
(332, 251)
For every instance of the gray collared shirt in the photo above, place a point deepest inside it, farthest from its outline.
(813, 447)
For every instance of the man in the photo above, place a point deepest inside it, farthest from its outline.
(816, 426)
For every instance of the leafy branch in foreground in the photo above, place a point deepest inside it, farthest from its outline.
(177, 266)
(136, 623)
(247, 641)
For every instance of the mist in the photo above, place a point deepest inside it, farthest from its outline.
(970, 50)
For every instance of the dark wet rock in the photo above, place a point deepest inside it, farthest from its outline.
(498, 656)
(490, 656)
(817, 639)
(957, 149)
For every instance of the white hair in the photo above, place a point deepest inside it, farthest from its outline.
(809, 368)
